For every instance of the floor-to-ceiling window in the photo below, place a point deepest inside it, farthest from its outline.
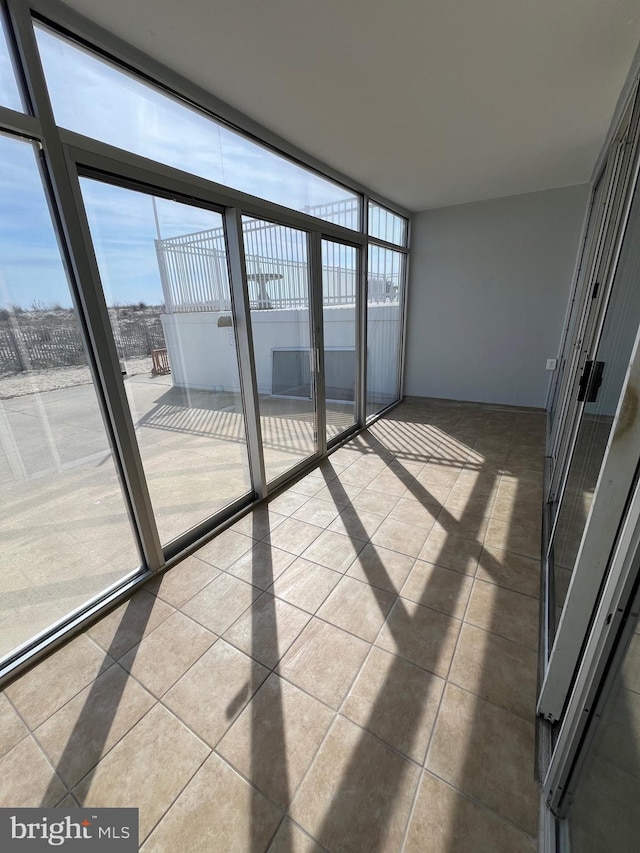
(385, 306)
(185, 320)
(64, 524)
(163, 268)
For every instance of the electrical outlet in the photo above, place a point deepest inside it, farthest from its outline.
(552, 363)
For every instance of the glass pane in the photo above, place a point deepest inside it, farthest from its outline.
(94, 97)
(339, 312)
(9, 93)
(386, 225)
(384, 327)
(278, 280)
(64, 528)
(604, 813)
(164, 272)
(613, 353)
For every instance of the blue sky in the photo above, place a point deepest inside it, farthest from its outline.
(93, 98)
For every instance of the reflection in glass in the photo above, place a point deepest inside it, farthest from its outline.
(9, 93)
(339, 313)
(164, 272)
(385, 294)
(385, 225)
(94, 97)
(65, 531)
(614, 352)
(278, 281)
(604, 813)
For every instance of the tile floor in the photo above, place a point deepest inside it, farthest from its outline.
(351, 668)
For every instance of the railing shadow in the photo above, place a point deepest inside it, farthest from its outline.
(86, 742)
(470, 520)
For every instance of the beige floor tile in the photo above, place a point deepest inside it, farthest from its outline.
(396, 701)
(267, 630)
(67, 802)
(357, 475)
(287, 502)
(147, 769)
(12, 728)
(259, 523)
(496, 669)
(509, 614)
(518, 509)
(462, 507)
(444, 821)
(77, 736)
(513, 571)
(309, 485)
(41, 691)
(462, 525)
(261, 565)
(358, 793)
(183, 581)
(291, 839)
(244, 820)
(220, 603)
(429, 494)
(488, 754)
(438, 475)
(438, 588)
(338, 493)
(513, 537)
(294, 536)
(453, 552)
(375, 502)
(356, 523)
(125, 626)
(27, 780)
(421, 635)
(317, 511)
(381, 567)
(224, 549)
(211, 695)
(334, 551)
(275, 738)
(413, 512)
(305, 584)
(167, 653)
(388, 483)
(400, 536)
(324, 661)
(357, 607)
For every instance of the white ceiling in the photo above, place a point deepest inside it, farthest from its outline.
(428, 102)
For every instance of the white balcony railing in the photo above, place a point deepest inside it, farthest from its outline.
(194, 274)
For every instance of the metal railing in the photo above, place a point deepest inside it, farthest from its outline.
(194, 274)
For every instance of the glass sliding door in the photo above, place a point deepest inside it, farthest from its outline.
(163, 267)
(340, 308)
(385, 298)
(600, 387)
(278, 280)
(66, 534)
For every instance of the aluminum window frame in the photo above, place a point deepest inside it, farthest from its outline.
(66, 156)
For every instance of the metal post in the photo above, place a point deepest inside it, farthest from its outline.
(317, 338)
(244, 342)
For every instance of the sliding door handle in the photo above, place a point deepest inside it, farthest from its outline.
(595, 381)
(584, 381)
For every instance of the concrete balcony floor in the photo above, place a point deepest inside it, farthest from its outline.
(349, 668)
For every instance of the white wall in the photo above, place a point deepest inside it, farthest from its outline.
(203, 356)
(489, 285)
